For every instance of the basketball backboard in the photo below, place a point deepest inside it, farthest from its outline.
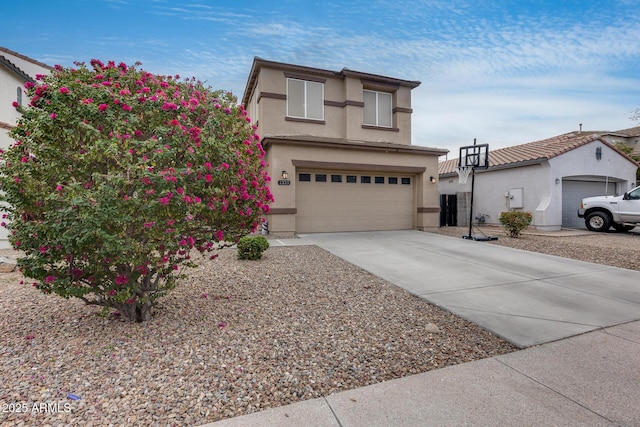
(475, 156)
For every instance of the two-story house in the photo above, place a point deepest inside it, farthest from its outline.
(339, 150)
(15, 71)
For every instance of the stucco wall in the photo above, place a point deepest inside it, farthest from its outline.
(343, 121)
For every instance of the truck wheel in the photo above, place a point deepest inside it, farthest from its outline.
(598, 221)
(621, 228)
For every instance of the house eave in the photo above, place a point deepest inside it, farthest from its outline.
(309, 141)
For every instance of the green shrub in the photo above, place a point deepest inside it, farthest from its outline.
(116, 176)
(515, 221)
(252, 247)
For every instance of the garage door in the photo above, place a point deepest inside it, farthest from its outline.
(573, 192)
(360, 201)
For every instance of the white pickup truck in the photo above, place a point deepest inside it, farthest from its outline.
(620, 212)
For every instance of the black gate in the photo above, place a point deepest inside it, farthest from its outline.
(448, 210)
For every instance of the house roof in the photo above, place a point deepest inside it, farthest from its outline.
(5, 54)
(345, 72)
(15, 70)
(627, 133)
(26, 58)
(308, 140)
(535, 152)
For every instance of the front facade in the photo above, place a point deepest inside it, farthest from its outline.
(15, 71)
(338, 145)
(548, 178)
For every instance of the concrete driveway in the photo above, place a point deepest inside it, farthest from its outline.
(524, 297)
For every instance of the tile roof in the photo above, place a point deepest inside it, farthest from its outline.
(26, 58)
(631, 132)
(15, 70)
(534, 152)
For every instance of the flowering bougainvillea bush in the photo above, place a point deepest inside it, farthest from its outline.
(117, 176)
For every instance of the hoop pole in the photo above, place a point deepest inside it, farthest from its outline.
(473, 182)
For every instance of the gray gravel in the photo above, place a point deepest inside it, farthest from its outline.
(238, 337)
(615, 249)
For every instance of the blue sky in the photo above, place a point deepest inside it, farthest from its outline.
(504, 72)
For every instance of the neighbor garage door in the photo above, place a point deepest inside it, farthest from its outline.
(573, 192)
(329, 201)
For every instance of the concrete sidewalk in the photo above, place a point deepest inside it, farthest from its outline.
(589, 380)
(524, 297)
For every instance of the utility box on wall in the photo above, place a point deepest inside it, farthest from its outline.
(515, 197)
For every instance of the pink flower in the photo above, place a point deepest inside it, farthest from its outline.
(125, 107)
(112, 292)
(148, 224)
(208, 178)
(28, 85)
(50, 279)
(59, 188)
(64, 89)
(87, 100)
(222, 325)
(15, 104)
(130, 301)
(203, 295)
(102, 107)
(121, 280)
(53, 115)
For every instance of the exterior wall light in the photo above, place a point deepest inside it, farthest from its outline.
(433, 179)
(285, 175)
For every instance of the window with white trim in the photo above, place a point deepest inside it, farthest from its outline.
(305, 99)
(377, 108)
(19, 95)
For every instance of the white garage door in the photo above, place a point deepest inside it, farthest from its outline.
(573, 192)
(330, 201)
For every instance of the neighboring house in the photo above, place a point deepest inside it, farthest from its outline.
(629, 137)
(338, 147)
(547, 178)
(15, 71)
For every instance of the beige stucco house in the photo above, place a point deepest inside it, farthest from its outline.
(338, 145)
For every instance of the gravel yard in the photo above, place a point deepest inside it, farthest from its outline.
(241, 336)
(615, 249)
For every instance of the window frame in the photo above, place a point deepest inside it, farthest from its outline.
(377, 109)
(305, 104)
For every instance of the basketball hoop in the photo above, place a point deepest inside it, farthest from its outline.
(463, 173)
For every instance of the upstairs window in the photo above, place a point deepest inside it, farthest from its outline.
(377, 108)
(19, 95)
(305, 99)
